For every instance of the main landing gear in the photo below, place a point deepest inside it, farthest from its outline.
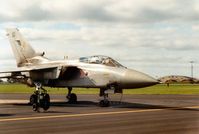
(72, 97)
(40, 98)
(105, 102)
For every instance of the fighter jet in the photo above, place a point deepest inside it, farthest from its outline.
(96, 71)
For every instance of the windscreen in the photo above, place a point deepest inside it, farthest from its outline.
(104, 60)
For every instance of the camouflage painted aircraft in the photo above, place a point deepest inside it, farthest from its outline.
(87, 72)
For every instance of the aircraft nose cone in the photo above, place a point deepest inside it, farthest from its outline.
(135, 79)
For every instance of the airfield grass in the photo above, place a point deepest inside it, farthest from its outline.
(157, 89)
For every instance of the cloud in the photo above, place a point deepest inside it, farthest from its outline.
(138, 33)
(128, 11)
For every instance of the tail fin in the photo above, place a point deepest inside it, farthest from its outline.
(21, 48)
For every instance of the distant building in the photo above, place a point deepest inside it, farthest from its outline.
(178, 79)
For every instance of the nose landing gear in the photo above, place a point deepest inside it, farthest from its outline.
(104, 93)
(105, 102)
(40, 99)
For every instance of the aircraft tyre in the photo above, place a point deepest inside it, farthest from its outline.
(35, 107)
(104, 103)
(72, 98)
(45, 102)
(40, 98)
(33, 99)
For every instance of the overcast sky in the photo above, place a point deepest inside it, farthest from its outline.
(158, 37)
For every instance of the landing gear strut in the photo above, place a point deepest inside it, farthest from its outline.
(105, 102)
(40, 98)
(72, 97)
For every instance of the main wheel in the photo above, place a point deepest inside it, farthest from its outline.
(45, 103)
(33, 99)
(35, 107)
(72, 98)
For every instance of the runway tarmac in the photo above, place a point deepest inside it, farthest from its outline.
(147, 114)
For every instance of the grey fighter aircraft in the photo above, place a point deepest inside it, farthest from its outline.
(98, 71)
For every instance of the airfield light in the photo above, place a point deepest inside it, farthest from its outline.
(191, 62)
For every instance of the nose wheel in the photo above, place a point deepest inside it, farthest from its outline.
(105, 102)
(40, 99)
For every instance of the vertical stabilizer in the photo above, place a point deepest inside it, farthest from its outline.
(21, 48)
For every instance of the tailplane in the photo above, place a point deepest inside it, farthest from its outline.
(21, 48)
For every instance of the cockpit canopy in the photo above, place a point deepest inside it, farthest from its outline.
(98, 59)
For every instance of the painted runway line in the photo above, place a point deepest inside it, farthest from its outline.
(92, 114)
